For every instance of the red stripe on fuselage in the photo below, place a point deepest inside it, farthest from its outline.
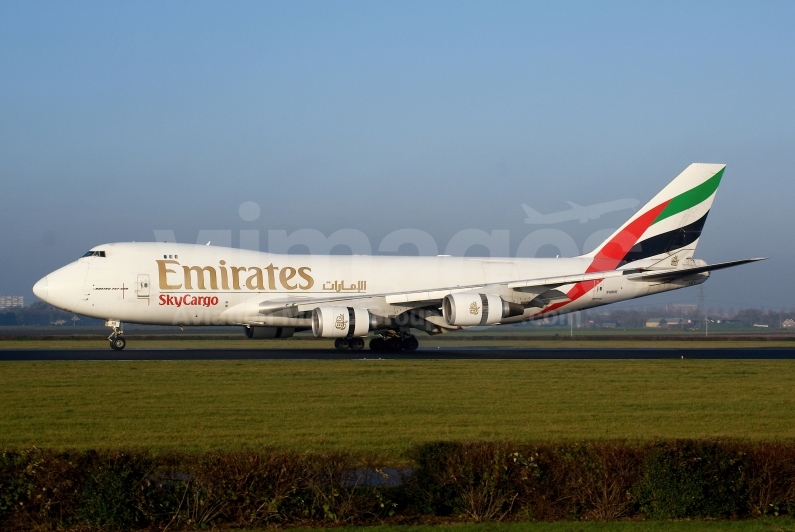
(612, 253)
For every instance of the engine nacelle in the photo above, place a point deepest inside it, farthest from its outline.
(268, 332)
(340, 322)
(478, 309)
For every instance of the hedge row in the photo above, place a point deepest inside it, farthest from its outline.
(43, 490)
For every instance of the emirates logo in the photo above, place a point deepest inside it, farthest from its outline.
(675, 261)
(474, 309)
(341, 323)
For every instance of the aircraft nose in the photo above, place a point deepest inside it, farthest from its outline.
(62, 288)
(41, 288)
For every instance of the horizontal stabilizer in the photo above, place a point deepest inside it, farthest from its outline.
(685, 272)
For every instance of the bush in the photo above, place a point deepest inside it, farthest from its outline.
(478, 481)
(770, 473)
(429, 489)
(51, 482)
(15, 480)
(111, 492)
(590, 481)
(481, 481)
(693, 479)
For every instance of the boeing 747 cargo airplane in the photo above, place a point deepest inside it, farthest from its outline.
(349, 298)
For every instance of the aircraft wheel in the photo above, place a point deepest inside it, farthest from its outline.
(341, 344)
(377, 344)
(394, 344)
(118, 343)
(357, 344)
(410, 343)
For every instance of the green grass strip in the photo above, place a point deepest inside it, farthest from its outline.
(386, 406)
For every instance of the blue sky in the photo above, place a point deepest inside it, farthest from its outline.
(117, 119)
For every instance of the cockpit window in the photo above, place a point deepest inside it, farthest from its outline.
(94, 254)
(89, 254)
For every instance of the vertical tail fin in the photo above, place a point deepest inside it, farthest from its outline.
(672, 221)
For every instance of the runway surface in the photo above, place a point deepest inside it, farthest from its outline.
(421, 354)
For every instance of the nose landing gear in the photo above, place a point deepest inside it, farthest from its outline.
(117, 342)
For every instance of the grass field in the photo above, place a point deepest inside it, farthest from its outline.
(766, 525)
(386, 406)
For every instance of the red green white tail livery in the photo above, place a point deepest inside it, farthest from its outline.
(670, 223)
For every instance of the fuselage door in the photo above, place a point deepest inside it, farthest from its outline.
(598, 291)
(142, 288)
(609, 290)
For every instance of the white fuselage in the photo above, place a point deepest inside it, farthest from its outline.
(183, 284)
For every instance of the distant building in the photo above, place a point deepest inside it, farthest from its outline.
(7, 302)
(761, 325)
(789, 323)
(663, 323)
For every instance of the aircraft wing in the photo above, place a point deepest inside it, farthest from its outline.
(543, 287)
(666, 275)
(426, 297)
(529, 285)
(547, 285)
(303, 304)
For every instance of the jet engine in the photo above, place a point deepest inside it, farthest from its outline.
(269, 332)
(478, 309)
(340, 322)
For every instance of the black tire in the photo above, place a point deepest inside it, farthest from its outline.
(118, 343)
(410, 343)
(341, 344)
(394, 344)
(356, 344)
(377, 344)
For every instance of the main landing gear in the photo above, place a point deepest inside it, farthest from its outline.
(354, 344)
(117, 342)
(394, 342)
